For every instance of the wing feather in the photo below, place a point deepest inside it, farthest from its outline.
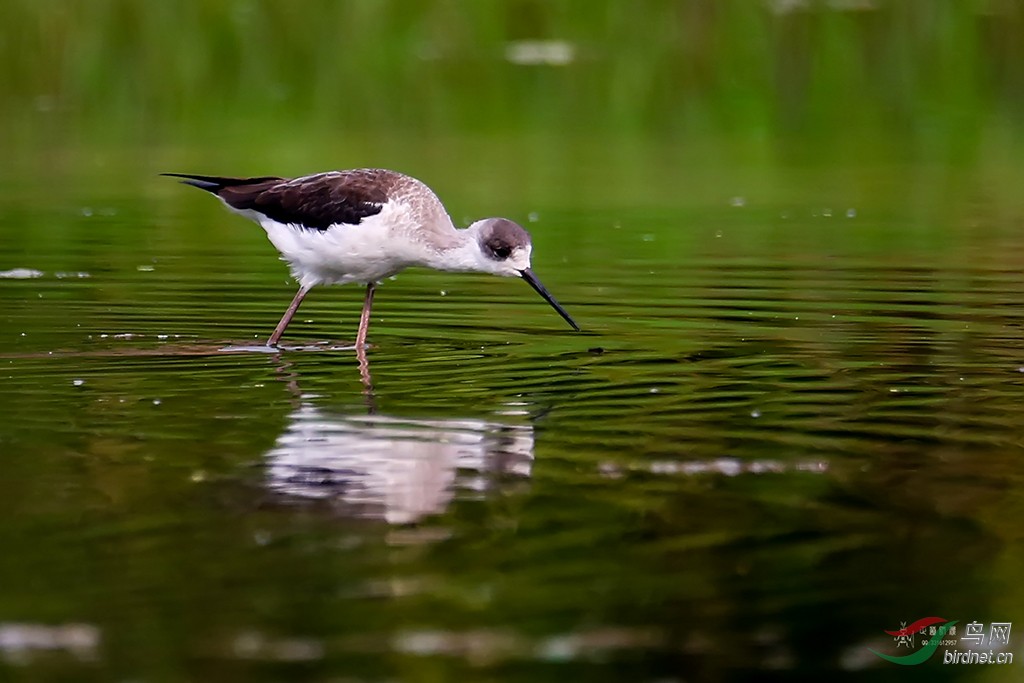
(316, 202)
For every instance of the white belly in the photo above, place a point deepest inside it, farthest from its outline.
(341, 254)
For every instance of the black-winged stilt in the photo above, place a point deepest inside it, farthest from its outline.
(364, 225)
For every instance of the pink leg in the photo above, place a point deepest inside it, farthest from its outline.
(287, 317)
(364, 319)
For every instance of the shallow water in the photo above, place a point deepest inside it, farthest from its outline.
(784, 429)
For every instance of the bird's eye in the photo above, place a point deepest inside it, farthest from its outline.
(500, 251)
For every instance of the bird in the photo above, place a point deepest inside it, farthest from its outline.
(364, 225)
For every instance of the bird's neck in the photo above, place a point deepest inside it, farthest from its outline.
(461, 254)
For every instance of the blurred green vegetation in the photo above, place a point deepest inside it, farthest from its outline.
(910, 110)
(870, 78)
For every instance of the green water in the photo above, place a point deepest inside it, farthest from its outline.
(792, 420)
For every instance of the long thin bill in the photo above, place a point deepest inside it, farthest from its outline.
(532, 280)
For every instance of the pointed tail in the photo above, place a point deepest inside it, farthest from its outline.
(215, 184)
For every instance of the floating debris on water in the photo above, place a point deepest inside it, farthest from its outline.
(20, 641)
(540, 52)
(732, 467)
(256, 646)
(21, 273)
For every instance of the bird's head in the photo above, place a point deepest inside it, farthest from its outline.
(504, 246)
(504, 249)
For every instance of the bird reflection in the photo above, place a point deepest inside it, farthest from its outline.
(393, 468)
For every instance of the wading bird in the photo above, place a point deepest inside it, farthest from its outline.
(364, 225)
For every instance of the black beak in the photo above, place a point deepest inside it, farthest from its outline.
(532, 280)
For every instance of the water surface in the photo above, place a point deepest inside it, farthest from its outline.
(790, 231)
(776, 437)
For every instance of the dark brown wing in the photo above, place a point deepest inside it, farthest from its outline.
(316, 201)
